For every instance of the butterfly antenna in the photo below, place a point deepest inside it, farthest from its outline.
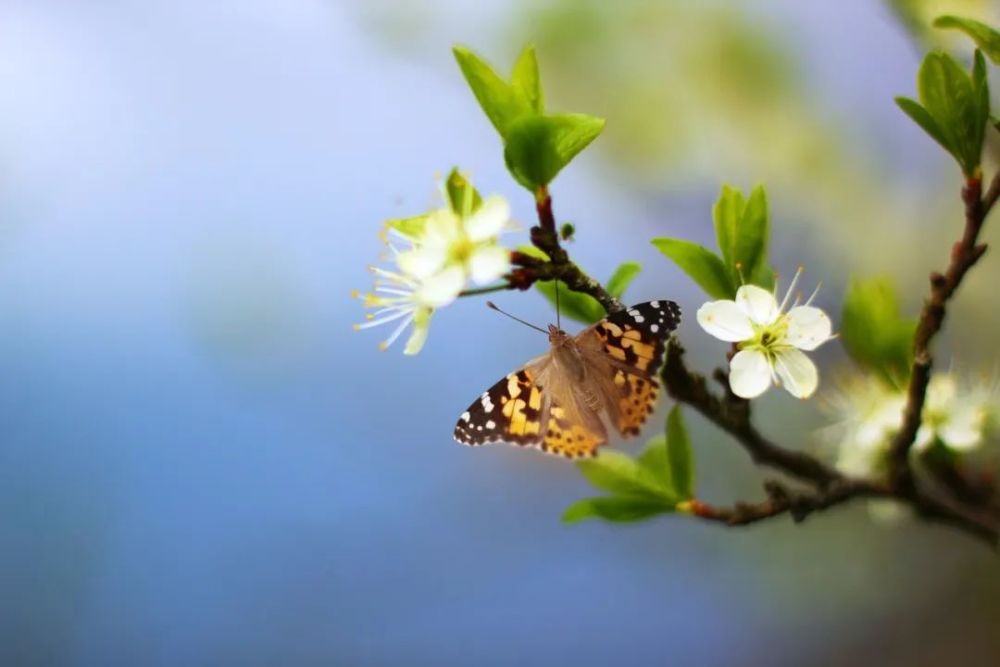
(558, 314)
(490, 304)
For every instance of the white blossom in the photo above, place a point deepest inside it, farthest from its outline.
(467, 241)
(770, 341)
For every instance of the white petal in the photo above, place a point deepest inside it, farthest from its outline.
(797, 372)
(941, 391)
(442, 229)
(749, 374)
(488, 263)
(421, 327)
(758, 304)
(963, 431)
(808, 327)
(923, 439)
(856, 460)
(489, 220)
(421, 262)
(724, 320)
(441, 288)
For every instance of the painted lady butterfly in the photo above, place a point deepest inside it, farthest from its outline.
(561, 401)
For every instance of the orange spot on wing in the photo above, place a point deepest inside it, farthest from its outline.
(636, 403)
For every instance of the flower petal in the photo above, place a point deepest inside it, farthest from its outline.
(808, 327)
(421, 262)
(441, 288)
(758, 304)
(964, 429)
(421, 327)
(724, 320)
(923, 439)
(488, 263)
(941, 392)
(442, 229)
(749, 374)
(797, 372)
(489, 220)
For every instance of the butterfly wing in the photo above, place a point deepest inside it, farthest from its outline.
(524, 409)
(624, 352)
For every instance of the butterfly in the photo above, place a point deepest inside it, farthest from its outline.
(563, 401)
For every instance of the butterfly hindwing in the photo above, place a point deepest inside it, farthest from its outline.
(634, 340)
(636, 399)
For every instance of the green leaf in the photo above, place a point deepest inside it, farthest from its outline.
(532, 251)
(501, 103)
(955, 102)
(526, 81)
(617, 509)
(538, 147)
(617, 473)
(981, 100)
(919, 115)
(742, 231)
(985, 37)
(700, 264)
(462, 197)
(654, 463)
(679, 454)
(726, 214)
(574, 305)
(622, 278)
(874, 333)
(752, 239)
(412, 227)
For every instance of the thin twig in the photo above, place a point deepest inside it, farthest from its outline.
(781, 500)
(559, 266)
(489, 289)
(732, 415)
(964, 255)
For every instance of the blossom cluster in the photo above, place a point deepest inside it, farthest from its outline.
(959, 417)
(432, 258)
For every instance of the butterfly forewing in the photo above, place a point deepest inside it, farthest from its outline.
(636, 338)
(520, 411)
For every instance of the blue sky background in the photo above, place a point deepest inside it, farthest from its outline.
(200, 462)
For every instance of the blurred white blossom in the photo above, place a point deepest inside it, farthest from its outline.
(466, 240)
(404, 300)
(955, 418)
(770, 341)
(433, 256)
(867, 415)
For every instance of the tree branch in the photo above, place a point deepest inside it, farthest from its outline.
(732, 415)
(559, 266)
(964, 255)
(781, 500)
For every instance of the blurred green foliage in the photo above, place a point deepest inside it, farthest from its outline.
(874, 332)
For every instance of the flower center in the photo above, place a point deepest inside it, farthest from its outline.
(461, 251)
(769, 338)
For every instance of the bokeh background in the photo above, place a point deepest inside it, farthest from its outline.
(200, 462)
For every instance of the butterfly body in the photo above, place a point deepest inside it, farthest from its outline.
(566, 401)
